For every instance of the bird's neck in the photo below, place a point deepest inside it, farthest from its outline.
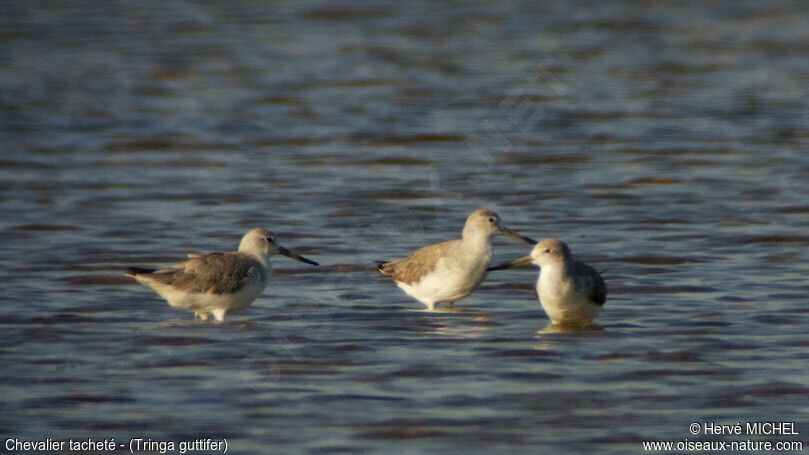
(554, 269)
(476, 241)
(263, 259)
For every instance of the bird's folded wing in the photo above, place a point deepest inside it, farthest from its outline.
(421, 262)
(600, 294)
(210, 273)
(596, 288)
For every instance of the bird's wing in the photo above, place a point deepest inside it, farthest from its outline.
(594, 283)
(210, 273)
(422, 261)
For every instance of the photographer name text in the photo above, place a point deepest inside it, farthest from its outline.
(746, 428)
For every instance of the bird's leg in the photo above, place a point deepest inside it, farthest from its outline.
(201, 316)
(219, 314)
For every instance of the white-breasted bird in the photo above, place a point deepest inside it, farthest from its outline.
(217, 283)
(571, 292)
(449, 271)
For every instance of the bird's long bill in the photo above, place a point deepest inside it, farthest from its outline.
(519, 262)
(294, 256)
(517, 236)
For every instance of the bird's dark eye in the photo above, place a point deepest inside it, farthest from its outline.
(547, 250)
(491, 220)
(270, 238)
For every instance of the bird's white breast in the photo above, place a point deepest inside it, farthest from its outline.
(453, 278)
(563, 302)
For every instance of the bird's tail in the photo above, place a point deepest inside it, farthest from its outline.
(135, 271)
(383, 268)
(605, 270)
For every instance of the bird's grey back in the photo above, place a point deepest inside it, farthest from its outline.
(598, 288)
(217, 273)
(420, 262)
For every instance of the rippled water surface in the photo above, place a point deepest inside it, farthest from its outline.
(668, 145)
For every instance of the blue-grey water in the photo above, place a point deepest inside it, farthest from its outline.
(666, 142)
